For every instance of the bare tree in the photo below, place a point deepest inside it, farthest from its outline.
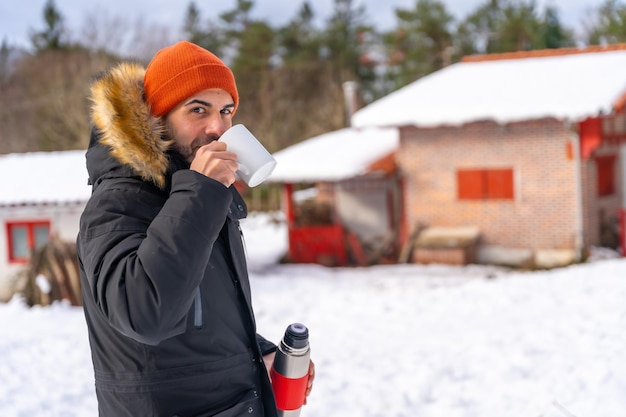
(48, 110)
(121, 36)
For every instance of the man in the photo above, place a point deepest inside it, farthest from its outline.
(163, 271)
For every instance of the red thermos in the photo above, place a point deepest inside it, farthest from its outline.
(290, 371)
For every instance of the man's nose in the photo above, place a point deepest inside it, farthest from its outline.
(215, 126)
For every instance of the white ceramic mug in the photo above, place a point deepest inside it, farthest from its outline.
(255, 162)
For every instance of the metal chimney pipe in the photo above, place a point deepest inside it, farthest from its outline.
(349, 94)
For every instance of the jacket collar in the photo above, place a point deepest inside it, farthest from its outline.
(133, 138)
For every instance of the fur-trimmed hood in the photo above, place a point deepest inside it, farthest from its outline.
(127, 139)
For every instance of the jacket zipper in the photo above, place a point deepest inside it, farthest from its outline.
(243, 240)
(197, 321)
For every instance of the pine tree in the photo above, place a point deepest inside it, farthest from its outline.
(608, 24)
(422, 42)
(552, 33)
(53, 36)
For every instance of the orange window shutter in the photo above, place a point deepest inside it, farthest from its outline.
(470, 184)
(500, 184)
(569, 151)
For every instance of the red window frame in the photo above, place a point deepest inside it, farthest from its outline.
(485, 184)
(30, 238)
(605, 166)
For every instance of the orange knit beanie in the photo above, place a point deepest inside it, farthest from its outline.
(179, 71)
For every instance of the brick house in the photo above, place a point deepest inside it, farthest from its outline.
(522, 155)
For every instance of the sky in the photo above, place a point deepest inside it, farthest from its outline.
(19, 18)
(395, 341)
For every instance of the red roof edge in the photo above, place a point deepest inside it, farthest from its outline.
(544, 53)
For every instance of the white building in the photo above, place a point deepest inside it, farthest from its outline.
(42, 195)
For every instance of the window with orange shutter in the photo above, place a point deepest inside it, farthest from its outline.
(485, 184)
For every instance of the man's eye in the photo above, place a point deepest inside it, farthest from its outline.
(198, 110)
(227, 110)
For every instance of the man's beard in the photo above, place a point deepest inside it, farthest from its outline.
(188, 152)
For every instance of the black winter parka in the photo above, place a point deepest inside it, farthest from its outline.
(164, 278)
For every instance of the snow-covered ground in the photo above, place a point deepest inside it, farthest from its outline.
(388, 341)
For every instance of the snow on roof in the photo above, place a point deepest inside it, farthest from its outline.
(43, 178)
(334, 156)
(570, 86)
